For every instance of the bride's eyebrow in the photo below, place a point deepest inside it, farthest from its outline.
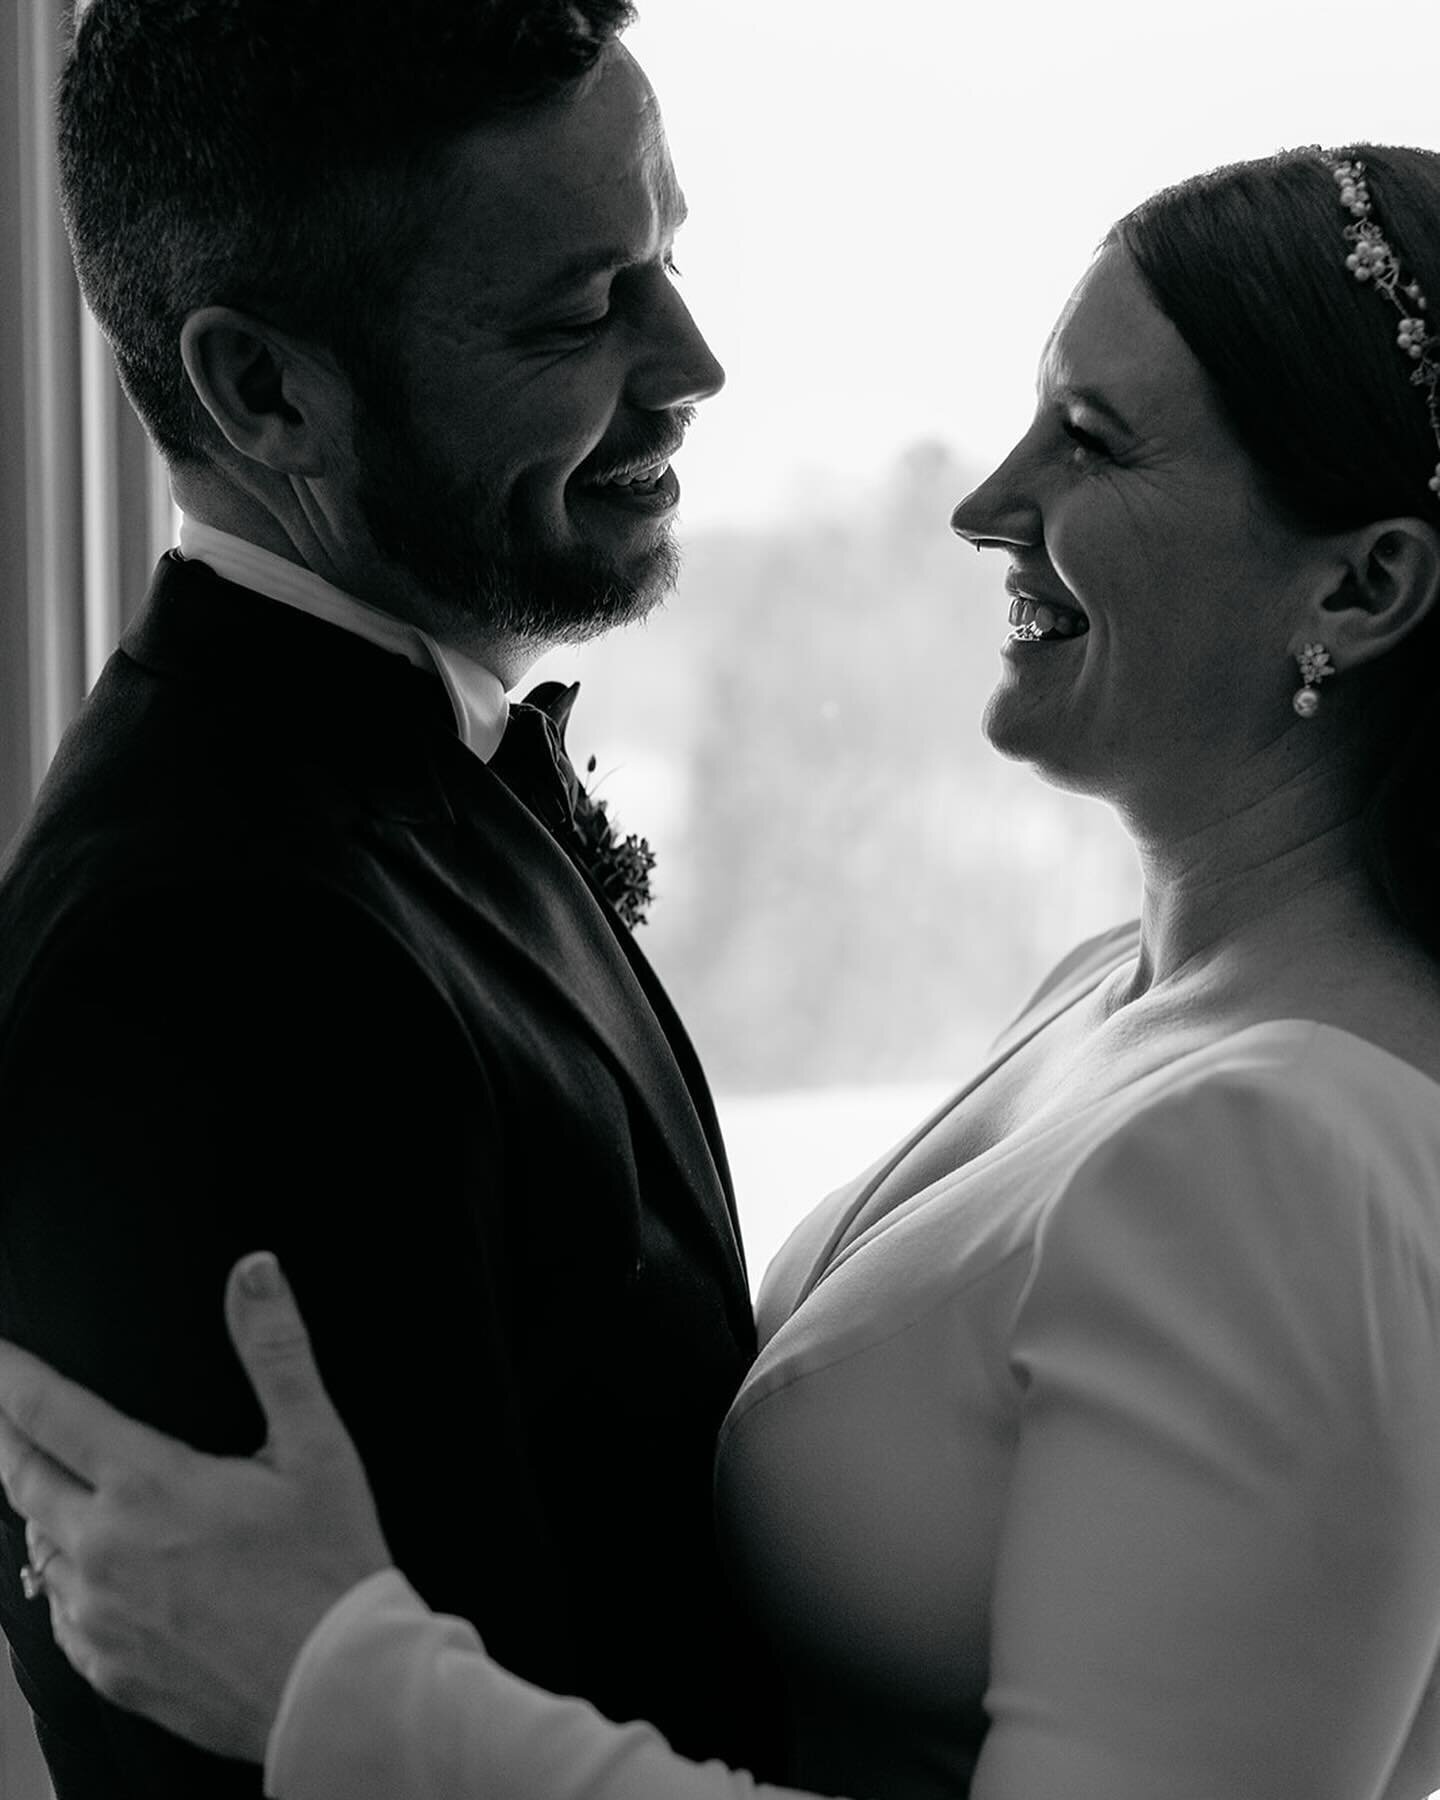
(1094, 401)
(1072, 393)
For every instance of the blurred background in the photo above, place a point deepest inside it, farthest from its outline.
(889, 206)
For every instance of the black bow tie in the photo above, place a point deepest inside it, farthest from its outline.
(531, 759)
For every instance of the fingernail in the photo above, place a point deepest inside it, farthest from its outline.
(260, 1277)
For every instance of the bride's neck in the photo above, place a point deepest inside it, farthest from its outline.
(1224, 908)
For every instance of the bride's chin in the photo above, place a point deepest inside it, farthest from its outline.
(1016, 733)
(1011, 728)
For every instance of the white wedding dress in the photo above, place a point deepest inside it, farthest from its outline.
(1104, 1468)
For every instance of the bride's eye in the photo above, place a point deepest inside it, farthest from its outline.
(1083, 439)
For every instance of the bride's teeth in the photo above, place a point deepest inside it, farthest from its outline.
(1038, 619)
(640, 477)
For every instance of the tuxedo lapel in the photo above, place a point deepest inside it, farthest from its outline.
(682, 1048)
(537, 896)
(533, 763)
(386, 730)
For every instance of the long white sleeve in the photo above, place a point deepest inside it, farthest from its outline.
(1219, 1573)
(390, 1701)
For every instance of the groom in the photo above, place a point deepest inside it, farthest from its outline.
(299, 946)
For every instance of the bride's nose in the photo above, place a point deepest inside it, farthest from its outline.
(1000, 512)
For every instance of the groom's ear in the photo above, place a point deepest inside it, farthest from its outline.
(275, 399)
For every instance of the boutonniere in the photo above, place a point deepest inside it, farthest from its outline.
(619, 866)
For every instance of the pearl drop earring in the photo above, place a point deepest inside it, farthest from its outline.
(1314, 661)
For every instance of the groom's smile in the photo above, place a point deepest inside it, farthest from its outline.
(517, 460)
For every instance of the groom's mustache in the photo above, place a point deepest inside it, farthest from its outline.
(636, 451)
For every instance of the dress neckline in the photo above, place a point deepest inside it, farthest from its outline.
(1024, 1030)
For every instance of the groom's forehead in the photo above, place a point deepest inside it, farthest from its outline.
(560, 198)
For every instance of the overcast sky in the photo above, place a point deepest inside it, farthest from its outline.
(890, 202)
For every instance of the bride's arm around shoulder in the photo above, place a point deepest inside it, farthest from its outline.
(1220, 1567)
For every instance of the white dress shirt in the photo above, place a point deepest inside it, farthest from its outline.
(476, 694)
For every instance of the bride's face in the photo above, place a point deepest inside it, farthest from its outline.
(1175, 590)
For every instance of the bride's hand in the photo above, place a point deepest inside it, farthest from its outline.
(182, 1585)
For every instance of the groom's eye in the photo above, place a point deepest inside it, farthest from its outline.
(592, 325)
(583, 327)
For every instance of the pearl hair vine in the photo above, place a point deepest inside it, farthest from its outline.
(1372, 260)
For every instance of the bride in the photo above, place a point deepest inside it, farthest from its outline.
(1094, 1447)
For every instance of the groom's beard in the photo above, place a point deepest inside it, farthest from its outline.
(480, 565)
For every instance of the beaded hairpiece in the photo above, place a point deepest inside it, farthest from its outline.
(1373, 260)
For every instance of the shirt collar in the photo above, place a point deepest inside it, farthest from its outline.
(477, 697)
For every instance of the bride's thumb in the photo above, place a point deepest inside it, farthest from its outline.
(274, 1348)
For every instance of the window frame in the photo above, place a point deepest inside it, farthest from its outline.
(85, 507)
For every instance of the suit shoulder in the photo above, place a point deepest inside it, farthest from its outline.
(154, 800)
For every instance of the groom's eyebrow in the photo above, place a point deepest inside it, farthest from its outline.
(586, 265)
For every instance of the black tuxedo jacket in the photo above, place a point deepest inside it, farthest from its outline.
(282, 964)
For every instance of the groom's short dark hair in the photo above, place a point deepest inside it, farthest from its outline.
(281, 156)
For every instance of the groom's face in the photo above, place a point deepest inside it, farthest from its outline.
(514, 461)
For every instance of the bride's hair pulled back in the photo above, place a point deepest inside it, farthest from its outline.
(1248, 263)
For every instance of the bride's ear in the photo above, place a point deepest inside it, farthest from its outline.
(1390, 586)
